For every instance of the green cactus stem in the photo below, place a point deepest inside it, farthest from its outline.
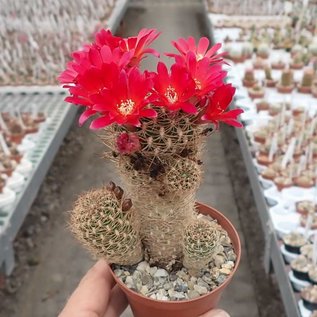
(106, 224)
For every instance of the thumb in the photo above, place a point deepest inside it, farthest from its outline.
(215, 313)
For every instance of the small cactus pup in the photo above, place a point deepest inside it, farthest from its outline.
(286, 85)
(269, 81)
(106, 223)
(154, 126)
(307, 81)
(249, 78)
(263, 51)
(201, 244)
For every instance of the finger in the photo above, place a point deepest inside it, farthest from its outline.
(117, 304)
(215, 313)
(91, 297)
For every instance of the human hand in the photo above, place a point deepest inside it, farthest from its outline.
(98, 296)
(215, 313)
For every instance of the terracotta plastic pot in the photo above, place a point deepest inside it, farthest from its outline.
(284, 89)
(146, 307)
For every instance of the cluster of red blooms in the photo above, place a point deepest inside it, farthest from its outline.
(105, 78)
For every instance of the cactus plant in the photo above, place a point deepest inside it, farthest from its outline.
(236, 55)
(307, 80)
(286, 85)
(154, 129)
(106, 224)
(263, 50)
(313, 49)
(297, 62)
(201, 243)
(247, 49)
(270, 82)
(296, 49)
(256, 91)
(249, 78)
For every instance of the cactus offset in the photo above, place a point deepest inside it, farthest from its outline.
(104, 221)
(183, 176)
(201, 244)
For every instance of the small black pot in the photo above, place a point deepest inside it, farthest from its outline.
(292, 249)
(309, 305)
(312, 281)
(301, 275)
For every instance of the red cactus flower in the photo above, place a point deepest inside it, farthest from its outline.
(173, 90)
(207, 77)
(126, 102)
(128, 143)
(218, 103)
(138, 45)
(106, 38)
(200, 51)
(90, 83)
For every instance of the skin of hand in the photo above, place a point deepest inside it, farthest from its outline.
(97, 295)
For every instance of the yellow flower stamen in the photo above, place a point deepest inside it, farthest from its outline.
(126, 106)
(171, 94)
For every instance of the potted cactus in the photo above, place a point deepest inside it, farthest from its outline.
(279, 64)
(313, 48)
(297, 62)
(286, 85)
(236, 55)
(249, 78)
(257, 91)
(263, 51)
(247, 50)
(269, 81)
(297, 49)
(154, 125)
(307, 81)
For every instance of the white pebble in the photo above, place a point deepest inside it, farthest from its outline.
(161, 273)
(200, 289)
(143, 266)
(144, 290)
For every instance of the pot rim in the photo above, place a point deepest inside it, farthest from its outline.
(217, 289)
